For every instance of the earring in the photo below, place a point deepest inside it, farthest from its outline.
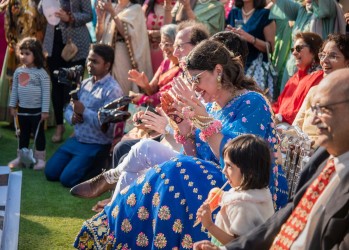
(219, 81)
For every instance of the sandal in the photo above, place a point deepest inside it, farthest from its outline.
(100, 205)
(58, 136)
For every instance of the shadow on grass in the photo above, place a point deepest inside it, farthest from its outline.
(50, 216)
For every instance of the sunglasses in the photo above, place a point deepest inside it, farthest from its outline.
(194, 79)
(299, 48)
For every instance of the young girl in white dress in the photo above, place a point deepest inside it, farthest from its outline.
(248, 203)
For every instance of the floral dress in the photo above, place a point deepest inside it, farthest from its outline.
(157, 211)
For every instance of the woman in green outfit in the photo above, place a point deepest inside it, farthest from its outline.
(317, 16)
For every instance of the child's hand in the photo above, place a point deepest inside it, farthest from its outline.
(44, 116)
(204, 214)
(13, 111)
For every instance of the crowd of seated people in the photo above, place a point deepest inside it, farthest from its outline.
(186, 64)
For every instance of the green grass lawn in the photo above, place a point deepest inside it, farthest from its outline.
(50, 216)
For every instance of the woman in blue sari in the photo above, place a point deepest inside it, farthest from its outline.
(157, 211)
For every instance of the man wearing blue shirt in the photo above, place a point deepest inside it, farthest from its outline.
(74, 159)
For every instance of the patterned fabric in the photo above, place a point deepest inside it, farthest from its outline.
(155, 20)
(298, 219)
(31, 88)
(164, 83)
(78, 31)
(254, 26)
(94, 95)
(133, 18)
(158, 210)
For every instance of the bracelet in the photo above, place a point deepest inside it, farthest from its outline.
(214, 128)
(196, 120)
(167, 8)
(182, 139)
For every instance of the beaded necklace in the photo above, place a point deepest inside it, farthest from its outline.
(247, 15)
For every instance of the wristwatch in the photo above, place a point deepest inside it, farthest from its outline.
(278, 117)
(168, 129)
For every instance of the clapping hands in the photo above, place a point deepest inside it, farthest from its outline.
(186, 98)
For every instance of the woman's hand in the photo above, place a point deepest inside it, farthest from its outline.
(99, 10)
(135, 97)
(168, 106)
(185, 3)
(139, 78)
(63, 15)
(186, 97)
(105, 6)
(346, 16)
(204, 215)
(243, 34)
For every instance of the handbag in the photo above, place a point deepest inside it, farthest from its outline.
(26, 155)
(264, 74)
(69, 51)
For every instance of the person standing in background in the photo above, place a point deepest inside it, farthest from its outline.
(30, 99)
(73, 15)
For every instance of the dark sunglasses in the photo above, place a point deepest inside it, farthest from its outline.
(299, 48)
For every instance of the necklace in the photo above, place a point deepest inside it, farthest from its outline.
(246, 14)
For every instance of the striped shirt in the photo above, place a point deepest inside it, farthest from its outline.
(94, 95)
(31, 89)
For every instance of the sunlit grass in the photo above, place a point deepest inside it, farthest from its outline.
(50, 216)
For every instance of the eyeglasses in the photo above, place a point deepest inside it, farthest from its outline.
(180, 46)
(319, 110)
(165, 45)
(331, 56)
(299, 48)
(194, 79)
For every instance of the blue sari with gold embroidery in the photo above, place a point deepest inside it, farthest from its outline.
(158, 210)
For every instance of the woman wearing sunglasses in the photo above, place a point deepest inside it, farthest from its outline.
(334, 55)
(305, 52)
(158, 209)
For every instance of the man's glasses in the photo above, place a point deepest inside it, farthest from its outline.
(319, 110)
(299, 48)
(180, 46)
(331, 56)
(194, 79)
(165, 45)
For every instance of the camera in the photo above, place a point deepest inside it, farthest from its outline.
(69, 76)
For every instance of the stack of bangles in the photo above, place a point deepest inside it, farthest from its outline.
(206, 124)
(182, 139)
